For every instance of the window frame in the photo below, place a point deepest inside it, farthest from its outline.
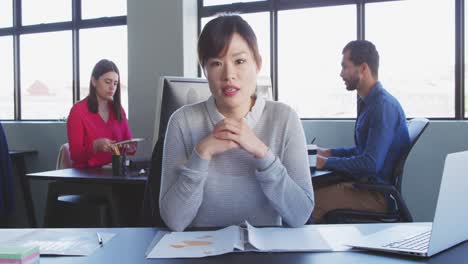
(75, 25)
(273, 6)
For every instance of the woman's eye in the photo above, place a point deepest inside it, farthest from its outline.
(240, 61)
(215, 63)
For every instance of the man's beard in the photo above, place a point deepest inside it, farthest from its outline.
(352, 84)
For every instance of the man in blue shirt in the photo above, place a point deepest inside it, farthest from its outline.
(381, 138)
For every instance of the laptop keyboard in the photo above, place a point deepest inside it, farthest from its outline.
(417, 242)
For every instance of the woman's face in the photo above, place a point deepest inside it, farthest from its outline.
(233, 77)
(106, 85)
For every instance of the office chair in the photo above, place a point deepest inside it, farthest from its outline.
(7, 188)
(175, 93)
(150, 213)
(64, 159)
(401, 213)
(76, 204)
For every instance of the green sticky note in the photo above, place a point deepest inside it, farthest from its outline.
(17, 252)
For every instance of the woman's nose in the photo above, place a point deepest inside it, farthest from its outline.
(229, 72)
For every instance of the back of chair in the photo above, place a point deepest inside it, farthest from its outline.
(7, 187)
(150, 212)
(416, 127)
(64, 159)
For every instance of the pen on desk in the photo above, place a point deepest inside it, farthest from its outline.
(99, 238)
(313, 140)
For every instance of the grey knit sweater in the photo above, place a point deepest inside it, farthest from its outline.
(235, 186)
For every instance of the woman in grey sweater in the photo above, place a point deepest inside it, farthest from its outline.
(234, 157)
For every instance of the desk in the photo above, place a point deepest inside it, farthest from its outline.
(19, 163)
(89, 175)
(325, 177)
(127, 190)
(130, 244)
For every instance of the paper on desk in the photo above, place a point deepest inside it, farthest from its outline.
(60, 242)
(301, 239)
(337, 236)
(197, 243)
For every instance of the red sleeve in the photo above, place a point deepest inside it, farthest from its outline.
(80, 150)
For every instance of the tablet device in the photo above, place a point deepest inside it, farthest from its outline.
(128, 141)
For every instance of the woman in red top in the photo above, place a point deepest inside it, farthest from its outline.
(98, 121)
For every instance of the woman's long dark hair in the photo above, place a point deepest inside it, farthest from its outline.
(102, 67)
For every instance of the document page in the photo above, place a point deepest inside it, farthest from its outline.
(196, 244)
(61, 242)
(301, 239)
(337, 236)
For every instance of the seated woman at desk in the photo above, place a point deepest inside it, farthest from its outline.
(234, 157)
(99, 120)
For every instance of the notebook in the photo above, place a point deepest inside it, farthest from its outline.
(450, 224)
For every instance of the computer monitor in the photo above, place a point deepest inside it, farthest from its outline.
(177, 92)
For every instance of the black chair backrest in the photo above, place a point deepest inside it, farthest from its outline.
(416, 127)
(176, 92)
(7, 188)
(150, 212)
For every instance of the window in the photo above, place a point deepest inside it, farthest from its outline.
(6, 81)
(417, 40)
(45, 55)
(225, 2)
(309, 60)
(94, 44)
(416, 55)
(260, 25)
(6, 15)
(50, 11)
(46, 75)
(103, 8)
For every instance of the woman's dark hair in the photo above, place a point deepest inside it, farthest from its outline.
(217, 34)
(102, 67)
(363, 51)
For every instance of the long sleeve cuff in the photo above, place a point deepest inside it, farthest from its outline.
(265, 162)
(197, 163)
(331, 163)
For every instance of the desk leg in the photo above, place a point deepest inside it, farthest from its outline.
(20, 167)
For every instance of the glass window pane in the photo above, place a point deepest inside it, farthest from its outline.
(6, 13)
(416, 55)
(260, 23)
(94, 46)
(103, 8)
(225, 2)
(309, 61)
(46, 75)
(6, 81)
(50, 11)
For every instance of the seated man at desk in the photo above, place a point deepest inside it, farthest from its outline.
(381, 138)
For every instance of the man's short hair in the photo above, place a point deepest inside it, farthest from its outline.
(363, 51)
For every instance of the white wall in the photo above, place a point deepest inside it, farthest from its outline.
(156, 48)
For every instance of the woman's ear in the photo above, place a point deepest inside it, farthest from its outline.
(259, 64)
(93, 81)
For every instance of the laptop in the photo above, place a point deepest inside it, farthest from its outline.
(450, 224)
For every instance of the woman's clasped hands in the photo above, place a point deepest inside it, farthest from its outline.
(229, 134)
